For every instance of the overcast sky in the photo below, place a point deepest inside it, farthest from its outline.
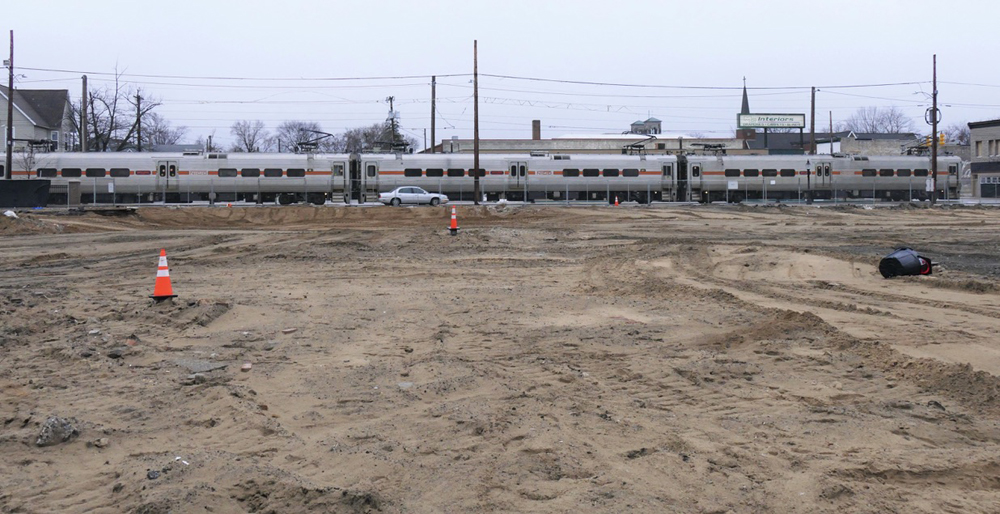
(696, 53)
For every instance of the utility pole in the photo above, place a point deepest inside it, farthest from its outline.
(475, 111)
(812, 124)
(392, 124)
(210, 142)
(433, 111)
(10, 110)
(138, 122)
(83, 116)
(934, 135)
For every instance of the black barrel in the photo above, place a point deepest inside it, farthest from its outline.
(904, 261)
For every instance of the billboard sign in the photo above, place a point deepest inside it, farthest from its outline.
(748, 121)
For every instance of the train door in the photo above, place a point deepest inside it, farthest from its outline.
(681, 193)
(353, 182)
(824, 175)
(667, 183)
(166, 178)
(517, 180)
(339, 181)
(694, 183)
(369, 181)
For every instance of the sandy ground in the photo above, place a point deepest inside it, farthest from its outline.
(684, 359)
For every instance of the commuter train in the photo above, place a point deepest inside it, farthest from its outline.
(318, 178)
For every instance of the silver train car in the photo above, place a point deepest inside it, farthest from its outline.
(318, 178)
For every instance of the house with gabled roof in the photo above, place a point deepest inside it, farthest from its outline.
(40, 115)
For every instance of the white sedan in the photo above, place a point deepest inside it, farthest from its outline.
(411, 195)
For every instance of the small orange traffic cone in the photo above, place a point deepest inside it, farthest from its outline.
(616, 201)
(162, 289)
(454, 222)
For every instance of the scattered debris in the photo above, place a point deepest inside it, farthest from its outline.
(904, 261)
(246, 367)
(405, 385)
(152, 474)
(10, 214)
(195, 378)
(56, 430)
(101, 443)
(199, 366)
(289, 330)
(116, 353)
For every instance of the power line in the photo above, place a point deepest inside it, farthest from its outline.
(262, 79)
(710, 88)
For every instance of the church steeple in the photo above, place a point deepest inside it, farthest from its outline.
(745, 134)
(746, 101)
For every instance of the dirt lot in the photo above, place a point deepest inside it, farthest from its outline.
(684, 359)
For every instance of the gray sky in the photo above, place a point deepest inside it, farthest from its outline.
(710, 44)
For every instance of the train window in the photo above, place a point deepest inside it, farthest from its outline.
(919, 173)
(338, 170)
(903, 173)
(413, 172)
(96, 172)
(71, 172)
(119, 172)
(732, 173)
(953, 169)
(868, 173)
(610, 173)
(435, 172)
(695, 171)
(751, 173)
(591, 172)
(885, 172)
(272, 172)
(295, 172)
(372, 170)
(769, 173)
(227, 172)
(571, 172)
(787, 173)
(457, 172)
(46, 172)
(250, 172)
(668, 170)
(482, 173)
(630, 172)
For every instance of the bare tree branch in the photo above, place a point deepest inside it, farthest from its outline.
(879, 120)
(251, 136)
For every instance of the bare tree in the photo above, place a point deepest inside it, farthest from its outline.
(958, 133)
(156, 130)
(292, 133)
(112, 117)
(251, 136)
(375, 137)
(881, 120)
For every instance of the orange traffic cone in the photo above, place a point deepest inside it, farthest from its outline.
(162, 289)
(616, 201)
(454, 222)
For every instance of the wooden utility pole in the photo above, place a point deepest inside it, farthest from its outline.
(475, 111)
(83, 117)
(10, 110)
(934, 135)
(138, 122)
(433, 111)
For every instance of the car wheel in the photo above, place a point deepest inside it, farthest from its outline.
(394, 202)
(435, 201)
